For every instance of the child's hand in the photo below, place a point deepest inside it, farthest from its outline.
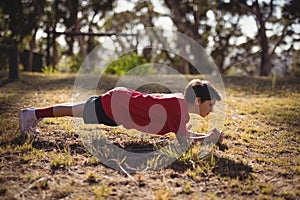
(214, 137)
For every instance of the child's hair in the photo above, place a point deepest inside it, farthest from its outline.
(200, 88)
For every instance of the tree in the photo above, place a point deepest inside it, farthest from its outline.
(20, 18)
(21, 22)
(79, 15)
(264, 14)
(190, 18)
(142, 14)
(291, 14)
(291, 10)
(226, 28)
(75, 17)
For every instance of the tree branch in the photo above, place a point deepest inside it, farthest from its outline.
(279, 40)
(178, 16)
(246, 8)
(271, 10)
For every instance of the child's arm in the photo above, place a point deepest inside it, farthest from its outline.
(215, 136)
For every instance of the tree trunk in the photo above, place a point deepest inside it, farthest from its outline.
(48, 56)
(13, 62)
(186, 67)
(261, 18)
(54, 52)
(80, 40)
(32, 46)
(70, 44)
(191, 30)
(265, 64)
(82, 46)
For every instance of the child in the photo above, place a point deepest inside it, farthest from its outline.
(151, 113)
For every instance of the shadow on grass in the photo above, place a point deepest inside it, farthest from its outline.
(40, 143)
(229, 168)
(287, 116)
(74, 148)
(4, 82)
(224, 167)
(138, 147)
(18, 140)
(261, 84)
(129, 157)
(29, 82)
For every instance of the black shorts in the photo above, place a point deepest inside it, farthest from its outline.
(93, 113)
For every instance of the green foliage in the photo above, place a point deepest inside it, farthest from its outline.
(127, 62)
(70, 63)
(49, 70)
(18, 18)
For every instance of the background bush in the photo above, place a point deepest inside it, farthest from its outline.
(127, 62)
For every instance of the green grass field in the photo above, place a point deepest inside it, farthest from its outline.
(259, 159)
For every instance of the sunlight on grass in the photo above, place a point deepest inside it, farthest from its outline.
(101, 191)
(162, 194)
(60, 159)
(92, 177)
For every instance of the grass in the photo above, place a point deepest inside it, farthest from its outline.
(162, 194)
(60, 160)
(261, 160)
(101, 191)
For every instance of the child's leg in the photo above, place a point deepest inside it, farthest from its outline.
(62, 110)
(29, 118)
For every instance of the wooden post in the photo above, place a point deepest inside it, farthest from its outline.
(48, 56)
(13, 62)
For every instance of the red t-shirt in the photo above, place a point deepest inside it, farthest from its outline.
(151, 113)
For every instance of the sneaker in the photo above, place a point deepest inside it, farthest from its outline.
(28, 121)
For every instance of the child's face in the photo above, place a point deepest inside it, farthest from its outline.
(206, 107)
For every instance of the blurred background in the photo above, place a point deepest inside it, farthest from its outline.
(244, 37)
